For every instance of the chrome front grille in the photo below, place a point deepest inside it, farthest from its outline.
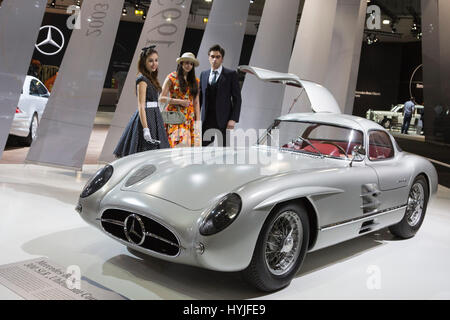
(140, 230)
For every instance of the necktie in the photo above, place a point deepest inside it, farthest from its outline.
(214, 80)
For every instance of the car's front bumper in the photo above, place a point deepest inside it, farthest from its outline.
(221, 252)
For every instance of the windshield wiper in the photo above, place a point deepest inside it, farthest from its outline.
(309, 142)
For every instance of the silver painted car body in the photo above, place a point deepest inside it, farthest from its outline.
(30, 104)
(179, 194)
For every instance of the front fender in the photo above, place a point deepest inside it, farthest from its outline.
(295, 193)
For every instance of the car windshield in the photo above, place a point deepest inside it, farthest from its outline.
(320, 139)
(397, 108)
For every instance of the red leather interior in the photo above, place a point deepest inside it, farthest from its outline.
(378, 152)
(324, 148)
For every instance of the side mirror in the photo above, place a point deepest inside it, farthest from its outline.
(358, 151)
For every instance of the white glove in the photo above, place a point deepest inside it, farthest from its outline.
(147, 135)
(149, 138)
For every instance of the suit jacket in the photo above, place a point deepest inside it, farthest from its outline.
(228, 98)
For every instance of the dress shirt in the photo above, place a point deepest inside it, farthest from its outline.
(211, 74)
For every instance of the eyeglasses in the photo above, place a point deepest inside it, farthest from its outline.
(215, 57)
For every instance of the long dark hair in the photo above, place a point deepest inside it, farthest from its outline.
(191, 80)
(152, 76)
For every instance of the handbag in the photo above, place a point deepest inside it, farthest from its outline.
(173, 117)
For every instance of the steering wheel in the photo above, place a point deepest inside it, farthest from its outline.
(342, 150)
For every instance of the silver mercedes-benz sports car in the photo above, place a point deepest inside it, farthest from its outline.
(326, 178)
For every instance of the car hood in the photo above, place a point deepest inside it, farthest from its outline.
(196, 178)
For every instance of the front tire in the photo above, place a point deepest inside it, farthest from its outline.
(415, 210)
(280, 249)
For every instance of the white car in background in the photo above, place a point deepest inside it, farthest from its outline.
(394, 117)
(29, 110)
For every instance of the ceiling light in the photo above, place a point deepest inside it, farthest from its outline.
(124, 11)
(386, 21)
(208, 0)
(53, 4)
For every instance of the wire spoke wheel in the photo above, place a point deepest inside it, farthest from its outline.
(415, 206)
(283, 243)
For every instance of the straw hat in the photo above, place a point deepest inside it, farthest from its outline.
(188, 56)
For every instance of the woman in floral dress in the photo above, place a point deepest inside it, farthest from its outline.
(181, 91)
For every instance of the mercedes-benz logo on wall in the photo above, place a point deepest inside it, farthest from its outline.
(54, 40)
(134, 229)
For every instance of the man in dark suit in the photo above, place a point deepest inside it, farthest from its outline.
(220, 97)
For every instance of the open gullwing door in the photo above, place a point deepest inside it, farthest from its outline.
(321, 99)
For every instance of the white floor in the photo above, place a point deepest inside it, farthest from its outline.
(37, 218)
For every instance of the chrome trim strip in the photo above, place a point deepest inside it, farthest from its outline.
(162, 239)
(131, 244)
(117, 223)
(365, 217)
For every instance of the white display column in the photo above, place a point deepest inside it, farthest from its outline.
(261, 101)
(436, 68)
(164, 27)
(65, 128)
(19, 28)
(327, 53)
(226, 26)
(345, 53)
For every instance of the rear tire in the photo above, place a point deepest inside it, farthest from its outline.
(415, 210)
(280, 249)
(28, 140)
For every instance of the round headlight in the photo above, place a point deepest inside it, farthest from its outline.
(223, 214)
(98, 180)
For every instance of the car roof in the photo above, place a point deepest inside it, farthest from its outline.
(337, 119)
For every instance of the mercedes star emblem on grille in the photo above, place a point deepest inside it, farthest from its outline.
(134, 229)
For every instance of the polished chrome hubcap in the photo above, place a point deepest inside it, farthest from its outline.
(283, 243)
(34, 125)
(416, 201)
